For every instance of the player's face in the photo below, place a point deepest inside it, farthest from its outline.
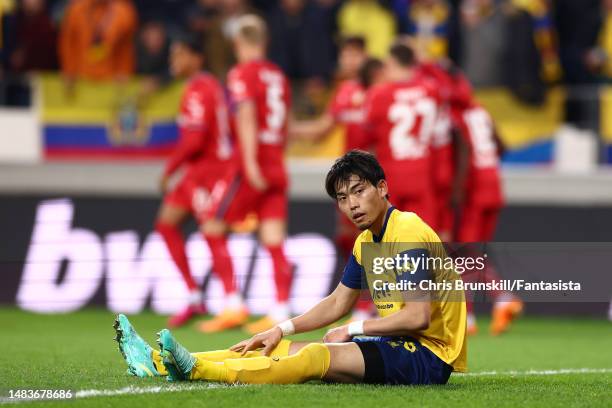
(378, 77)
(350, 60)
(183, 62)
(393, 71)
(242, 48)
(179, 60)
(362, 202)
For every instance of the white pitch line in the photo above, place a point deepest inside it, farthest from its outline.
(560, 371)
(133, 390)
(159, 389)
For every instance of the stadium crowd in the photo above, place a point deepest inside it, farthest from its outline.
(520, 44)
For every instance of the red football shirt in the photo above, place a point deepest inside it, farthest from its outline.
(347, 108)
(441, 143)
(400, 121)
(204, 140)
(476, 127)
(264, 84)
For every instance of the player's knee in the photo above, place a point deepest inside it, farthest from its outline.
(319, 356)
(214, 228)
(272, 235)
(162, 226)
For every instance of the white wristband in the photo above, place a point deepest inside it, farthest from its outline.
(287, 327)
(355, 328)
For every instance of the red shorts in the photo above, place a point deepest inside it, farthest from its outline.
(233, 199)
(194, 192)
(423, 204)
(477, 223)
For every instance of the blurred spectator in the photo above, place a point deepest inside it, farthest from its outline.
(7, 31)
(169, 12)
(200, 15)
(522, 61)
(428, 22)
(544, 36)
(301, 38)
(578, 24)
(483, 39)
(368, 18)
(35, 40)
(152, 55)
(599, 59)
(215, 20)
(97, 40)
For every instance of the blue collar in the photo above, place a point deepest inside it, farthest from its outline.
(384, 227)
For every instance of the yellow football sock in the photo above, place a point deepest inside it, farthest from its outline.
(310, 363)
(281, 350)
(158, 363)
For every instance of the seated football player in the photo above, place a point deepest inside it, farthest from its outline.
(418, 338)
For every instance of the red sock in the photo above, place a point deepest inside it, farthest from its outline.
(176, 246)
(469, 305)
(222, 262)
(282, 272)
(364, 305)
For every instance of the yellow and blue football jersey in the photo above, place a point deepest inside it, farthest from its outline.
(405, 232)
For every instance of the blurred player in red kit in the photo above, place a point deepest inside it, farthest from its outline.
(358, 73)
(400, 121)
(346, 105)
(441, 147)
(478, 192)
(346, 109)
(260, 98)
(203, 151)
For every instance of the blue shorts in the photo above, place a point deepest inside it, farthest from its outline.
(401, 361)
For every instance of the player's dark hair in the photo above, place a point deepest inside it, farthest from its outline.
(403, 54)
(354, 163)
(368, 70)
(356, 41)
(193, 42)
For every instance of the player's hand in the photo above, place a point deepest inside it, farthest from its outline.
(337, 335)
(267, 340)
(164, 181)
(255, 178)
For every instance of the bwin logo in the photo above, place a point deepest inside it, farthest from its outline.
(131, 272)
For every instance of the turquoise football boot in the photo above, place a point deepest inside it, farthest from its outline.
(135, 351)
(177, 359)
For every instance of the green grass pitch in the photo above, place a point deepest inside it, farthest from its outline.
(537, 364)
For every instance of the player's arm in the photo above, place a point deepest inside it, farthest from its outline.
(190, 145)
(333, 307)
(246, 123)
(371, 117)
(327, 311)
(191, 139)
(414, 316)
(312, 130)
(246, 126)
